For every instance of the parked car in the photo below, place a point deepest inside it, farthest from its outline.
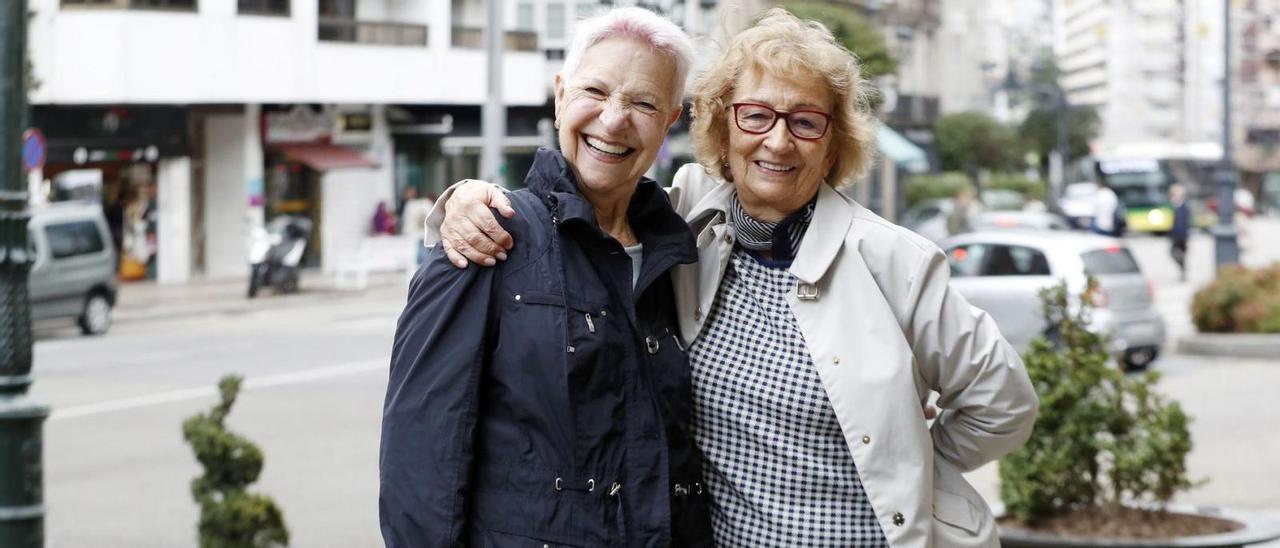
(928, 218)
(1002, 272)
(74, 274)
(1035, 220)
(1077, 203)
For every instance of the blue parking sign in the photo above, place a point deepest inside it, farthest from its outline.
(33, 150)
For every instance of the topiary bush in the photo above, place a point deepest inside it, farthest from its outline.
(1240, 300)
(1101, 438)
(230, 516)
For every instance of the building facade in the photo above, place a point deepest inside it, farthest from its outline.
(195, 120)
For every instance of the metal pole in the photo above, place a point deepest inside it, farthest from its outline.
(1226, 249)
(1059, 182)
(21, 477)
(494, 113)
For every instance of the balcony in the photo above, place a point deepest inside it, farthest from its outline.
(473, 38)
(336, 29)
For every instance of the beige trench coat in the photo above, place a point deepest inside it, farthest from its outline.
(884, 329)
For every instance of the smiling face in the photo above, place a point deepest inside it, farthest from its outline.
(614, 112)
(776, 173)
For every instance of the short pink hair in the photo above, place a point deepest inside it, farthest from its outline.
(640, 24)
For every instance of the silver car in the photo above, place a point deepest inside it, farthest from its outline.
(74, 275)
(1002, 273)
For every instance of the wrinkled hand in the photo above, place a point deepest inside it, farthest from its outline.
(469, 231)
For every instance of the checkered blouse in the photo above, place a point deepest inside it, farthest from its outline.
(776, 464)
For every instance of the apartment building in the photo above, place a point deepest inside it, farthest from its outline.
(989, 50)
(201, 118)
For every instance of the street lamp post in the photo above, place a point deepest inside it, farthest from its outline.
(1226, 249)
(21, 477)
(494, 113)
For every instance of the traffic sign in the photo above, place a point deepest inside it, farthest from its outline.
(34, 150)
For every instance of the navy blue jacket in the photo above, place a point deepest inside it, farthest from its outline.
(544, 401)
(1181, 229)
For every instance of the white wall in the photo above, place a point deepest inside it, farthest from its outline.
(173, 233)
(225, 196)
(349, 197)
(217, 56)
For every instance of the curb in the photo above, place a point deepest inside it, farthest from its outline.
(1231, 345)
(218, 301)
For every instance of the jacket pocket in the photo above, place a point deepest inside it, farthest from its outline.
(498, 539)
(956, 511)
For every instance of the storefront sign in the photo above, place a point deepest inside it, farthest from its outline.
(299, 124)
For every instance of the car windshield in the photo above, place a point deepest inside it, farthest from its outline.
(1111, 260)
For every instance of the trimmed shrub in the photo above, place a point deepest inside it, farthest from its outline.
(1101, 438)
(1240, 300)
(230, 516)
(934, 186)
(1021, 184)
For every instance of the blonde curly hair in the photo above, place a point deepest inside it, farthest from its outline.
(783, 45)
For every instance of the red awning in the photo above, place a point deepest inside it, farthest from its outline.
(326, 157)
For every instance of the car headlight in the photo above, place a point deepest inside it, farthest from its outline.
(1155, 217)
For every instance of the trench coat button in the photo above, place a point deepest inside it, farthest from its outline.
(728, 238)
(651, 344)
(866, 440)
(835, 359)
(899, 519)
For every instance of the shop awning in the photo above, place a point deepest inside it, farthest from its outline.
(326, 157)
(903, 152)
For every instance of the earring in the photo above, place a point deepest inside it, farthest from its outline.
(557, 123)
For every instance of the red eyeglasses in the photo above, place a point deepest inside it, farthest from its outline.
(756, 119)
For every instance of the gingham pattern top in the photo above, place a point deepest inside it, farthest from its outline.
(776, 464)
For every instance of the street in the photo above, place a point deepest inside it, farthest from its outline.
(117, 470)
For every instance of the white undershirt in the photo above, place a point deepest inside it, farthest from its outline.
(637, 258)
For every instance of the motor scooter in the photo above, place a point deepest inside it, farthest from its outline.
(275, 254)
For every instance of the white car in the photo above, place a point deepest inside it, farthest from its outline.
(1002, 272)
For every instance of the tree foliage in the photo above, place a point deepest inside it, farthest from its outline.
(853, 31)
(1101, 438)
(230, 516)
(974, 141)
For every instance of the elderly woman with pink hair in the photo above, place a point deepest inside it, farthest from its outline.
(817, 331)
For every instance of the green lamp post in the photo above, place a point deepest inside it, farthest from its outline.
(21, 477)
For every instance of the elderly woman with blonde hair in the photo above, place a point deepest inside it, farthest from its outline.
(816, 330)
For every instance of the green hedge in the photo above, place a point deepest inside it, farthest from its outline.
(944, 185)
(1240, 300)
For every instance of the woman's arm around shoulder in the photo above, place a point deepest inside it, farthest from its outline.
(429, 416)
(988, 403)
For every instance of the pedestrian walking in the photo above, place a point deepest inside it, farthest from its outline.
(1181, 231)
(1107, 213)
(958, 220)
(412, 218)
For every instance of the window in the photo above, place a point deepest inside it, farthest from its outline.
(264, 7)
(524, 16)
(183, 5)
(555, 21)
(1112, 260)
(966, 260)
(72, 239)
(1008, 260)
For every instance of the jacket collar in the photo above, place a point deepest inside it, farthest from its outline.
(652, 218)
(822, 241)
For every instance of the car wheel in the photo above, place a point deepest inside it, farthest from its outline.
(1138, 360)
(95, 319)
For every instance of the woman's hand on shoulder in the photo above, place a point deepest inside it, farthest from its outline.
(470, 232)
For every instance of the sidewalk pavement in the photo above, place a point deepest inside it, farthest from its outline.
(151, 301)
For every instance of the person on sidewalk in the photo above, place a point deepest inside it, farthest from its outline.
(958, 220)
(1108, 212)
(412, 218)
(545, 401)
(1181, 231)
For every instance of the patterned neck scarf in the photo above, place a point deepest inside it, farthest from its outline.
(782, 238)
